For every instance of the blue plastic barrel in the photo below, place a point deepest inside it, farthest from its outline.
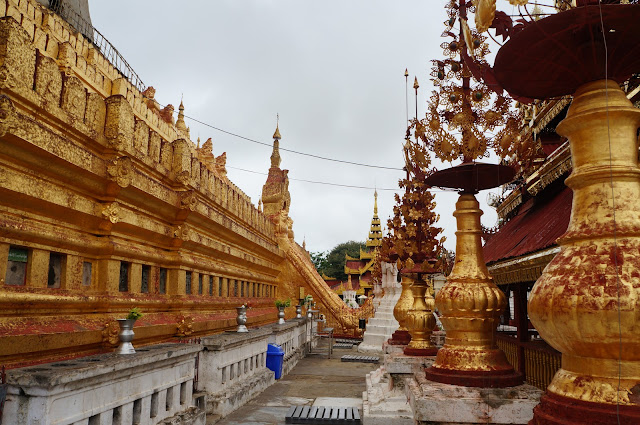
(275, 358)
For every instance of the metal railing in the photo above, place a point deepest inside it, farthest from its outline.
(100, 42)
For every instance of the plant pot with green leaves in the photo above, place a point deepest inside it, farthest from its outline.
(126, 331)
(281, 305)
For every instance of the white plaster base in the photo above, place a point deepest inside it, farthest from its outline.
(383, 402)
(235, 395)
(401, 363)
(441, 404)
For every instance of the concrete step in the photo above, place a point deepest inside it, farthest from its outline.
(323, 415)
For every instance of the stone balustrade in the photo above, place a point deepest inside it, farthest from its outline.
(233, 369)
(154, 385)
(292, 337)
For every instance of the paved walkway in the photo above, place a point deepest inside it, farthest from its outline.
(315, 380)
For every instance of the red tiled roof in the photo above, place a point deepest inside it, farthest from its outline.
(539, 222)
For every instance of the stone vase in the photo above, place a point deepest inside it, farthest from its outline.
(126, 336)
(241, 319)
(298, 312)
(281, 315)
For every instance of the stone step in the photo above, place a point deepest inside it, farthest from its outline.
(323, 415)
(348, 341)
(347, 346)
(360, 359)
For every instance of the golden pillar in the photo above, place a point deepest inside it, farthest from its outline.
(403, 305)
(470, 305)
(585, 304)
(420, 320)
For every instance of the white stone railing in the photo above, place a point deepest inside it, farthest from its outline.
(155, 385)
(233, 369)
(147, 388)
(292, 337)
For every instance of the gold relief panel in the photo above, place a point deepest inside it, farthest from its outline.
(18, 56)
(120, 170)
(95, 113)
(188, 200)
(119, 123)
(48, 80)
(74, 97)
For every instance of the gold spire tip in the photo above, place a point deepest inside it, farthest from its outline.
(406, 72)
(415, 83)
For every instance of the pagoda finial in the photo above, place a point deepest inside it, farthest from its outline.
(276, 135)
(375, 203)
(275, 155)
(180, 124)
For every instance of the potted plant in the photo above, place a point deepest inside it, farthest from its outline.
(281, 305)
(126, 331)
(307, 302)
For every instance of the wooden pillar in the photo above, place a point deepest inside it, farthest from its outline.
(522, 323)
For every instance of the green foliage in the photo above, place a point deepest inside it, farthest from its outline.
(319, 259)
(134, 314)
(335, 259)
(283, 303)
(308, 299)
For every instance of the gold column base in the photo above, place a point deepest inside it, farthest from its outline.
(471, 304)
(420, 321)
(586, 303)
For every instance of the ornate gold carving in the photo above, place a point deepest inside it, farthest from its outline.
(585, 304)
(420, 320)
(485, 12)
(96, 113)
(48, 79)
(182, 232)
(119, 123)
(188, 200)
(184, 326)
(120, 170)
(111, 212)
(74, 97)
(110, 333)
(18, 56)
(470, 303)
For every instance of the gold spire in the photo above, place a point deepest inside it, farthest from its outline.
(406, 72)
(180, 124)
(375, 203)
(275, 155)
(276, 135)
(415, 83)
(375, 232)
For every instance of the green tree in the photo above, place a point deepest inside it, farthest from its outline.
(319, 259)
(333, 264)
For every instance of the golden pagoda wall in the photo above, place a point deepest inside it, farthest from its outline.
(94, 184)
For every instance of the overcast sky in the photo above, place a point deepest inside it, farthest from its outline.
(332, 69)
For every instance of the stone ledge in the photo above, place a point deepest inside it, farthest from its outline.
(72, 371)
(436, 403)
(228, 340)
